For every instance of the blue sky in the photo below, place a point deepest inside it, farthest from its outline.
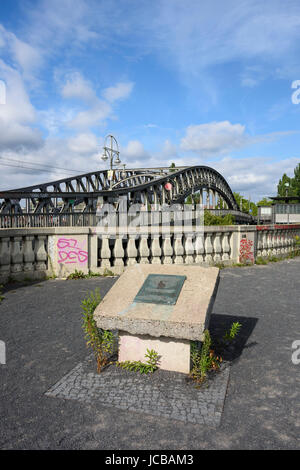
(189, 82)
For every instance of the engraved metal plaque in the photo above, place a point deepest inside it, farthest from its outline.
(160, 289)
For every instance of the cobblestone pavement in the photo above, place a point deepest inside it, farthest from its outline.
(165, 394)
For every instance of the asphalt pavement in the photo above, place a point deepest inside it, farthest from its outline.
(41, 325)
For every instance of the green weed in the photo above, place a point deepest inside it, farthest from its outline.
(101, 341)
(143, 367)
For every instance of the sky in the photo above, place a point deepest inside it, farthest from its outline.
(191, 82)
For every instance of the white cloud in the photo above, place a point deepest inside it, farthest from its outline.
(91, 117)
(26, 57)
(196, 38)
(83, 144)
(17, 115)
(121, 90)
(254, 176)
(134, 152)
(98, 111)
(78, 87)
(214, 138)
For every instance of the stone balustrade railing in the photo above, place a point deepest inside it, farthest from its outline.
(39, 252)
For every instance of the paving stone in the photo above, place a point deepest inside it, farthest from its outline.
(166, 394)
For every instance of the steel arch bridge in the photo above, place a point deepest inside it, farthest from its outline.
(161, 186)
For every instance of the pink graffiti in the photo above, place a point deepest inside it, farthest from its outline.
(69, 251)
(246, 253)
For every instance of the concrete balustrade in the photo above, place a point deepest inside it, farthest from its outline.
(39, 252)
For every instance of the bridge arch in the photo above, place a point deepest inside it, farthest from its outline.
(147, 185)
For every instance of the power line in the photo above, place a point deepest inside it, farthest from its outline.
(34, 165)
(27, 168)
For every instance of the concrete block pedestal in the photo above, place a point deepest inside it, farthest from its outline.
(174, 354)
(168, 329)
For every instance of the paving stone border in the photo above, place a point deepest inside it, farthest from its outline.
(168, 394)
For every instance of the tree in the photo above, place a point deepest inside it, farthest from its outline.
(296, 181)
(210, 219)
(265, 202)
(243, 203)
(285, 186)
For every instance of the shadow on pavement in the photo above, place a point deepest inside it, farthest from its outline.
(219, 324)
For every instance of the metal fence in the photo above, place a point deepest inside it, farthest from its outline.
(48, 220)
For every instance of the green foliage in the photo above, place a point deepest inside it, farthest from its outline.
(204, 359)
(232, 333)
(245, 205)
(290, 186)
(77, 275)
(210, 219)
(296, 180)
(143, 367)
(172, 167)
(81, 275)
(101, 341)
(107, 272)
(265, 202)
(259, 260)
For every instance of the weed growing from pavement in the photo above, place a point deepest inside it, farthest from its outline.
(232, 333)
(101, 341)
(1, 296)
(203, 359)
(80, 274)
(147, 367)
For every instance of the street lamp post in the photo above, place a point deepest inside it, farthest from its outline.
(112, 153)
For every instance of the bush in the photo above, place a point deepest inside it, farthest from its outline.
(210, 219)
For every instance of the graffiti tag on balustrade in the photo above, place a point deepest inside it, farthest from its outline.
(71, 251)
(246, 252)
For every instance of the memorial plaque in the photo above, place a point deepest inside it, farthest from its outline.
(160, 289)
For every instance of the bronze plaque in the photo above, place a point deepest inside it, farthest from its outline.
(160, 289)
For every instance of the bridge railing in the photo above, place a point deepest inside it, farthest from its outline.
(34, 253)
(92, 219)
(75, 219)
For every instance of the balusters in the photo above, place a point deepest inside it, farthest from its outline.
(225, 247)
(167, 250)
(5, 256)
(131, 251)
(118, 252)
(105, 253)
(40, 253)
(264, 244)
(189, 249)
(155, 250)
(144, 251)
(178, 249)
(16, 255)
(208, 248)
(217, 247)
(199, 248)
(29, 256)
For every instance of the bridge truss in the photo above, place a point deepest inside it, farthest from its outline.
(159, 186)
